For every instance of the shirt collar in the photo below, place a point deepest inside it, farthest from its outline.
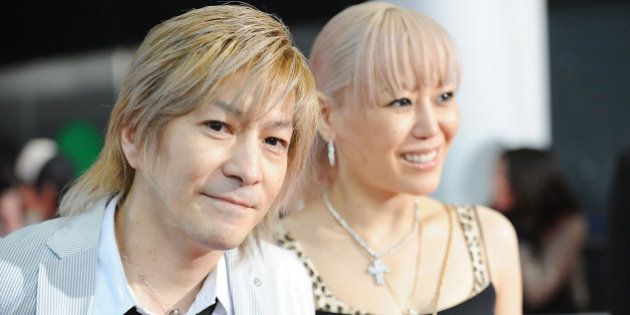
(215, 287)
(112, 264)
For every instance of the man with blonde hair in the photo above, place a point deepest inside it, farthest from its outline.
(212, 127)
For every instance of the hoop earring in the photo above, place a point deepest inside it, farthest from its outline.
(331, 152)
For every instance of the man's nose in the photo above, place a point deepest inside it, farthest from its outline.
(244, 161)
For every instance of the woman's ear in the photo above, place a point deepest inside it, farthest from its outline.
(130, 145)
(325, 127)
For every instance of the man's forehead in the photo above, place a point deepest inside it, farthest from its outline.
(244, 101)
(279, 115)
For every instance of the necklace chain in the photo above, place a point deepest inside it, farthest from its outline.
(156, 296)
(377, 268)
(438, 290)
(447, 254)
(344, 224)
(143, 279)
(406, 309)
(377, 264)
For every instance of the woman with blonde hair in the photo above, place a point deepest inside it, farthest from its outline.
(374, 241)
(211, 129)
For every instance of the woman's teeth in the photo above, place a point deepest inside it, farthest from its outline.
(421, 158)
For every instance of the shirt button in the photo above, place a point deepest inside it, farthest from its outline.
(257, 282)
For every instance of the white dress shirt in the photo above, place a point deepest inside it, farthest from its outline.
(113, 294)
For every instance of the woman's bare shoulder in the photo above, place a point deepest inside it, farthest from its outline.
(496, 226)
(500, 240)
(503, 258)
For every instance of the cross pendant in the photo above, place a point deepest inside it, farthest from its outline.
(377, 269)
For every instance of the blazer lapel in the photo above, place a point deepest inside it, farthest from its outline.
(66, 285)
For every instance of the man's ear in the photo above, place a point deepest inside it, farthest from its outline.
(324, 127)
(130, 145)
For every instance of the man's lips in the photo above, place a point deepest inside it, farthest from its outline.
(233, 201)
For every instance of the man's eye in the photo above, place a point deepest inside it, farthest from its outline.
(218, 126)
(400, 102)
(445, 97)
(276, 142)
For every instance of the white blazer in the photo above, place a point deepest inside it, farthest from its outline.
(50, 268)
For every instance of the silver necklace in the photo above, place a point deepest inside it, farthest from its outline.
(377, 268)
(143, 279)
(156, 296)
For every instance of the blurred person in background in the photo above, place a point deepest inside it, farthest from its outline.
(29, 163)
(373, 239)
(208, 137)
(11, 207)
(530, 189)
(51, 184)
(44, 174)
(619, 237)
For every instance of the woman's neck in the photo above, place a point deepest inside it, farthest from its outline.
(374, 214)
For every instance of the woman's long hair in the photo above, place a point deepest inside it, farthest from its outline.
(541, 195)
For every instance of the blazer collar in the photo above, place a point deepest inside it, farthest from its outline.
(78, 233)
(66, 285)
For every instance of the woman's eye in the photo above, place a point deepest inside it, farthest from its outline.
(400, 102)
(445, 97)
(276, 142)
(218, 126)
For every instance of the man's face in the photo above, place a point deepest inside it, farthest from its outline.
(211, 178)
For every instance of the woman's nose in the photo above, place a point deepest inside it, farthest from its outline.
(426, 124)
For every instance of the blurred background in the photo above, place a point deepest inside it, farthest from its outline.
(544, 74)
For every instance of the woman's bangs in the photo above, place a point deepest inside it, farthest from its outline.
(402, 54)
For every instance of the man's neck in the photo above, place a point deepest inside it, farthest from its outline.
(163, 270)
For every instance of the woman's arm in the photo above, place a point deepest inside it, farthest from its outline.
(544, 274)
(503, 261)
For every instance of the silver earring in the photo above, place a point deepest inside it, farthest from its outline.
(331, 152)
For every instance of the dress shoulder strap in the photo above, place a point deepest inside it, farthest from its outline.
(473, 237)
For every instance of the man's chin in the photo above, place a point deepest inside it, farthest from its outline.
(223, 243)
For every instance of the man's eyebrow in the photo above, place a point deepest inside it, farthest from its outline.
(238, 113)
(230, 108)
(279, 124)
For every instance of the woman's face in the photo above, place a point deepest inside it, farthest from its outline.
(400, 144)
